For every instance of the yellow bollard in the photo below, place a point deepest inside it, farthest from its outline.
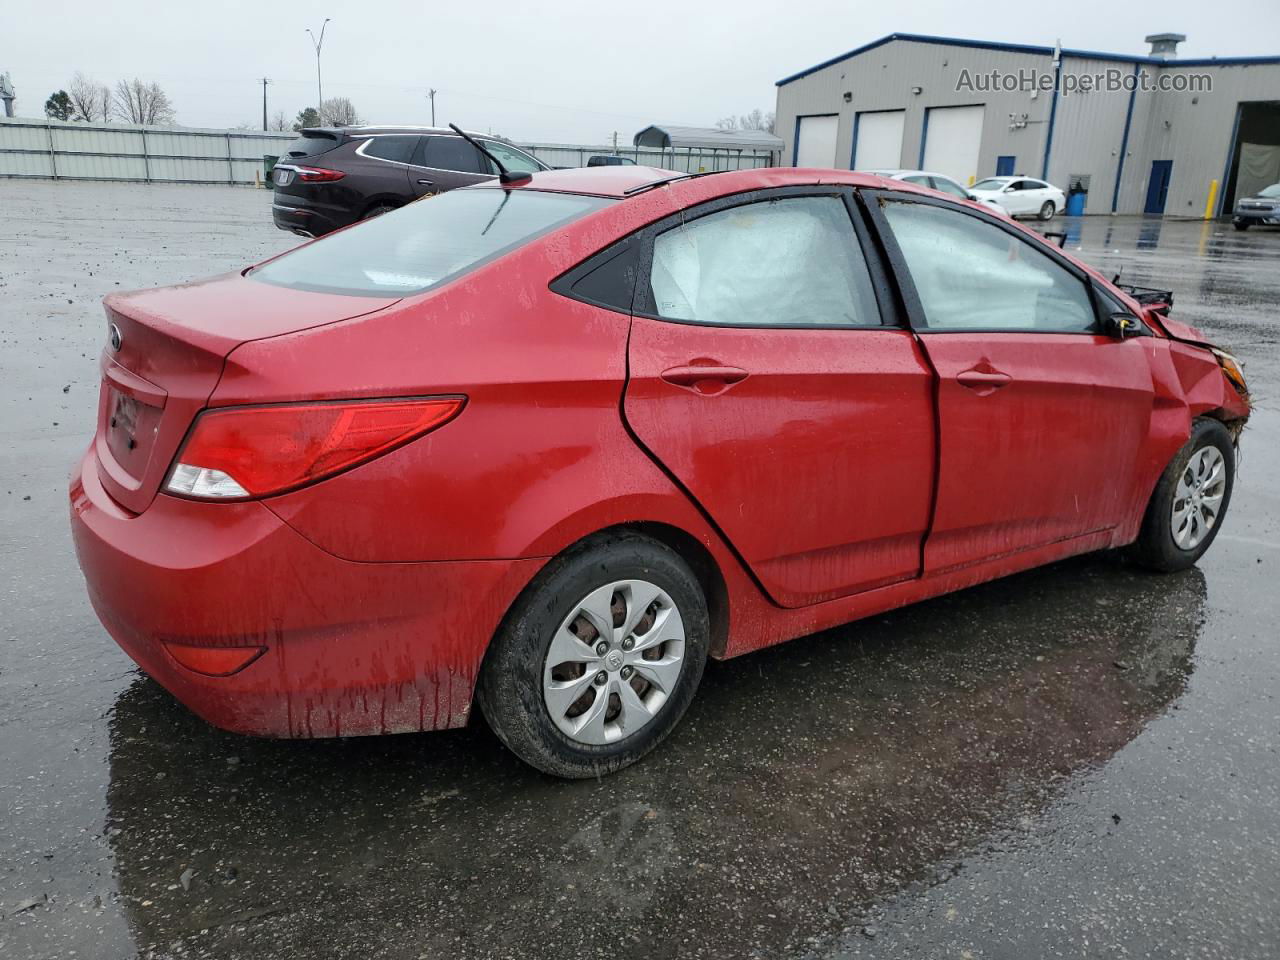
(1213, 195)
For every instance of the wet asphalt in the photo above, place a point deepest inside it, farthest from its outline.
(1079, 761)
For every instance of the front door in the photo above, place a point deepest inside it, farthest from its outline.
(1041, 418)
(1158, 185)
(442, 163)
(763, 379)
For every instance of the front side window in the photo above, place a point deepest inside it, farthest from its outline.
(794, 261)
(451, 153)
(426, 243)
(513, 159)
(973, 275)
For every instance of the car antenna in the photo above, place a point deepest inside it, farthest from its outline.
(504, 175)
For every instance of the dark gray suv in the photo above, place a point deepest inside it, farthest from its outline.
(1261, 209)
(333, 176)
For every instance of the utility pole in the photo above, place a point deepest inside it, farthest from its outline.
(318, 44)
(265, 81)
(431, 95)
(615, 141)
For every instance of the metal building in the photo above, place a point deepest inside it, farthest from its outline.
(729, 149)
(1152, 134)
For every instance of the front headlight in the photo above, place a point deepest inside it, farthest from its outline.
(1231, 369)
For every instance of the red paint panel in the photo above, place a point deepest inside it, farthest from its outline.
(818, 465)
(1047, 455)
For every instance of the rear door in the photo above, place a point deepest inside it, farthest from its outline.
(1041, 418)
(442, 163)
(763, 378)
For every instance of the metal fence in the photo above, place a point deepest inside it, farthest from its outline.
(80, 151)
(52, 149)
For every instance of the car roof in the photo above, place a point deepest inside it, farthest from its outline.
(897, 174)
(370, 131)
(621, 181)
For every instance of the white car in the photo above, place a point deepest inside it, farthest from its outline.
(940, 181)
(1022, 196)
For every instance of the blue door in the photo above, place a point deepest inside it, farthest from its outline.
(1158, 185)
(1005, 165)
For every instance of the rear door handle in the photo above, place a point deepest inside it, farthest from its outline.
(426, 183)
(692, 374)
(982, 381)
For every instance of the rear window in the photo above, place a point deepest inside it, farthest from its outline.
(312, 145)
(426, 243)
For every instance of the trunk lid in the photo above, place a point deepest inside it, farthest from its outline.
(165, 353)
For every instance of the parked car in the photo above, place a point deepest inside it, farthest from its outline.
(1262, 209)
(609, 160)
(546, 447)
(940, 181)
(331, 177)
(1022, 196)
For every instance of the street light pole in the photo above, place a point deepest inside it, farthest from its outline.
(318, 44)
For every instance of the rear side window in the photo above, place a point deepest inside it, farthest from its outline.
(312, 145)
(973, 275)
(397, 148)
(946, 186)
(773, 263)
(426, 243)
(451, 153)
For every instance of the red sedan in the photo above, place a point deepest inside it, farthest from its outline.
(547, 446)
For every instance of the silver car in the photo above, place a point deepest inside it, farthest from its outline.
(940, 181)
(1263, 209)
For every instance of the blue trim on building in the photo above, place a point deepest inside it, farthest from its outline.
(853, 149)
(1053, 118)
(1029, 48)
(1124, 142)
(1231, 157)
(924, 136)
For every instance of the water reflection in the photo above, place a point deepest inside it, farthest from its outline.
(806, 783)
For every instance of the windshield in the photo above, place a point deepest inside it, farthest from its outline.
(425, 243)
(1271, 193)
(991, 183)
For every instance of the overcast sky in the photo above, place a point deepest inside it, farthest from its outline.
(560, 70)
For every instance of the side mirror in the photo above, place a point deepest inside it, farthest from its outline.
(1121, 325)
(971, 196)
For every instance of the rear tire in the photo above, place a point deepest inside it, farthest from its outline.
(1185, 490)
(1048, 210)
(1240, 226)
(377, 211)
(620, 713)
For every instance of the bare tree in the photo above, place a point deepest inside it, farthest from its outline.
(280, 122)
(145, 103)
(90, 100)
(757, 119)
(339, 112)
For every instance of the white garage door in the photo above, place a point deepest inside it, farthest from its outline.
(952, 142)
(879, 144)
(817, 142)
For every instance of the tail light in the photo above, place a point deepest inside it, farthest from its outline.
(318, 174)
(244, 452)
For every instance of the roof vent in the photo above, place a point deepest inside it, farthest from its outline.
(1164, 46)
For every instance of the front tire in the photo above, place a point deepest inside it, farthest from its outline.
(1190, 500)
(1240, 225)
(1047, 210)
(598, 659)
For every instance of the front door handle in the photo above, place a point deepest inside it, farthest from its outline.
(704, 377)
(983, 380)
(426, 183)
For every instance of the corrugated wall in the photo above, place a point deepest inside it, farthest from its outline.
(76, 151)
(1194, 130)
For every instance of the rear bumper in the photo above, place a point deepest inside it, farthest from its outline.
(351, 648)
(302, 216)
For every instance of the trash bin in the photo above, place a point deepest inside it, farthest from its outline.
(268, 164)
(1075, 203)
